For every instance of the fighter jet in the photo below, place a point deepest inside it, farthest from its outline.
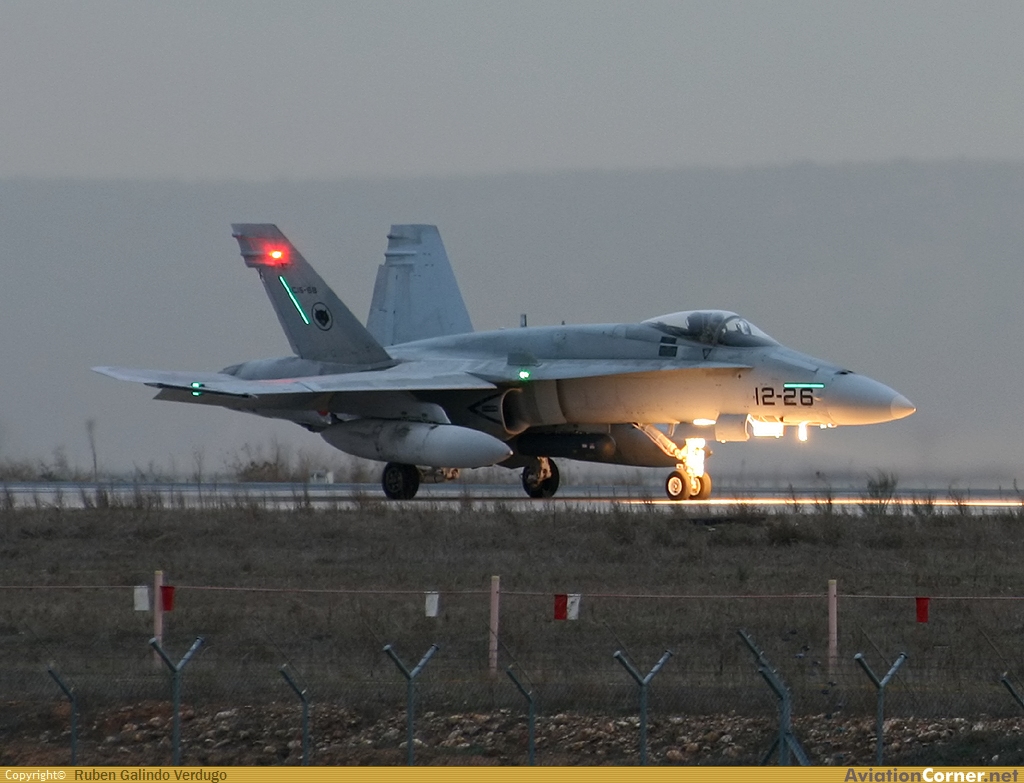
(419, 390)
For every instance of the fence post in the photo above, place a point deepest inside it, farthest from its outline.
(70, 693)
(410, 693)
(158, 613)
(176, 689)
(786, 741)
(880, 685)
(531, 715)
(833, 629)
(305, 713)
(492, 641)
(642, 682)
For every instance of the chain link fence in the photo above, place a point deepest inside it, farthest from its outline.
(333, 640)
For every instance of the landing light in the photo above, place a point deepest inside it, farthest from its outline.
(703, 422)
(801, 432)
(766, 429)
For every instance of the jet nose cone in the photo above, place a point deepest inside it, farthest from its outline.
(855, 399)
(902, 407)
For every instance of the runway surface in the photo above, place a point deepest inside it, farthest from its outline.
(465, 496)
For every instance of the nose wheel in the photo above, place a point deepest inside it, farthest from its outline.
(540, 478)
(680, 486)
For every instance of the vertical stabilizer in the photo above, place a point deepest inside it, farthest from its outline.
(317, 323)
(416, 295)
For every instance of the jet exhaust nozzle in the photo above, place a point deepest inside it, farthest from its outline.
(417, 443)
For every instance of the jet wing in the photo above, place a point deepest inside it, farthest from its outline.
(404, 377)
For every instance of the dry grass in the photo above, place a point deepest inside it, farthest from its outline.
(334, 639)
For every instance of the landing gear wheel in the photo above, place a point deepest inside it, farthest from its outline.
(677, 486)
(540, 488)
(705, 487)
(400, 481)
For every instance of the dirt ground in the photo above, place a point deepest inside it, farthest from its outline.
(140, 734)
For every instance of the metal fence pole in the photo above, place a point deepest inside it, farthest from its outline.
(70, 693)
(305, 713)
(880, 685)
(410, 693)
(158, 613)
(1005, 680)
(786, 740)
(642, 682)
(492, 637)
(176, 689)
(833, 628)
(531, 712)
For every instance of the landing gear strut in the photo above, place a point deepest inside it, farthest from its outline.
(688, 481)
(400, 481)
(540, 478)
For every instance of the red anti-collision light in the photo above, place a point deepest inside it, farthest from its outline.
(275, 256)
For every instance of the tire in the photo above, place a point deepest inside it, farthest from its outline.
(400, 481)
(705, 487)
(677, 486)
(544, 489)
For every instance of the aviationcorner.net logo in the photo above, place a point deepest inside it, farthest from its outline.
(930, 775)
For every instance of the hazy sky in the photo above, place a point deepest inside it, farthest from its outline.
(134, 132)
(265, 90)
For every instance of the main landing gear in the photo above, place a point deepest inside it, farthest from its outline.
(401, 481)
(540, 478)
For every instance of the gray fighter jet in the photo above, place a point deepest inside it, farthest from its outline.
(418, 389)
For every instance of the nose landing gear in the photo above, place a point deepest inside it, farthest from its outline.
(688, 481)
(679, 486)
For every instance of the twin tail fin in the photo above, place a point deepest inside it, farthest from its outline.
(317, 323)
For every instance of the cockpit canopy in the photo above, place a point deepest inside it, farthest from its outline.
(711, 327)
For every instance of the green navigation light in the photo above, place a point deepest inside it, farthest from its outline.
(295, 301)
(196, 385)
(524, 375)
(803, 386)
